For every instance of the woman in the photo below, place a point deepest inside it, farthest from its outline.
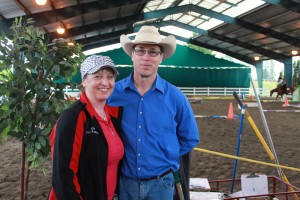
(85, 144)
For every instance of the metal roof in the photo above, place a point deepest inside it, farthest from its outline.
(241, 29)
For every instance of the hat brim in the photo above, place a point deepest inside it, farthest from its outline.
(168, 44)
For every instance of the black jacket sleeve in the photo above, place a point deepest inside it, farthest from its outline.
(64, 178)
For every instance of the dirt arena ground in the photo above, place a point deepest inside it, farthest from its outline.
(217, 134)
(221, 135)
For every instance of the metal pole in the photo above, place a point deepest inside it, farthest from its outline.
(279, 170)
(238, 147)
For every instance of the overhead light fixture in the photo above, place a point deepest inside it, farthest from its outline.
(294, 52)
(256, 58)
(60, 30)
(41, 2)
(71, 43)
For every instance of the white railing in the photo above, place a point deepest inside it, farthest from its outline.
(203, 91)
(221, 91)
(71, 92)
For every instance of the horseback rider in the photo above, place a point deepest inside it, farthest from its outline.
(282, 88)
(282, 83)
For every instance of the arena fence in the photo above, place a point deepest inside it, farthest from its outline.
(221, 91)
(203, 91)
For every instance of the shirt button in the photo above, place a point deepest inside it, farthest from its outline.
(139, 168)
(139, 154)
(140, 126)
(139, 139)
(142, 99)
(141, 113)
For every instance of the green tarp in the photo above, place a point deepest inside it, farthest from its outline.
(200, 77)
(183, 57)
(188, 68)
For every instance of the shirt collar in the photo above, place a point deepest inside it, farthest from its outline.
(88, 105)
(158, 83)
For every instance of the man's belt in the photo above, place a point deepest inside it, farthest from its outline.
(156, 177)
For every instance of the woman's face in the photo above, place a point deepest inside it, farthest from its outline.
(100, 85)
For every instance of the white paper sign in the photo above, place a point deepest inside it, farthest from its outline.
(254, 185)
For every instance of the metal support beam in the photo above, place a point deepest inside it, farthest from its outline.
(246, 45)
(23, 7)
(259, 73)
(288, 70)
(96, 27)
(100, 40)
(215, 48)
(290, 5)
(43, 18)
(242, 23)
(106, 43)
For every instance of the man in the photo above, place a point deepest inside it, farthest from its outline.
(158, 123)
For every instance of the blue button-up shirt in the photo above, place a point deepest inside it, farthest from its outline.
(157, 127)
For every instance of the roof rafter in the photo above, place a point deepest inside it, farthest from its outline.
(290, 5)
(100, 39)
(42, 18)
(215, 48)
(242, 23)
(105, 43)
(113, 39)
(97, 26)
(270, 30)
(265, 52)
(23, 7)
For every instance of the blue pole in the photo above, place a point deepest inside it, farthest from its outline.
(238, 146)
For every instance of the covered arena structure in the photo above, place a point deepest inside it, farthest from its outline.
(242, 29)
(195, 70)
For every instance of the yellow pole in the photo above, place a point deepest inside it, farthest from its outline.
(267, 149)
(261, 139)
(284, 178)
(246, 159)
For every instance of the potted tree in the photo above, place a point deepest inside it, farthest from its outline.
(33, 75)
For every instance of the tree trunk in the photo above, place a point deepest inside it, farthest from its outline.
(26, 181)
(22, 172)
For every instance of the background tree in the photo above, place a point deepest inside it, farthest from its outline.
(296, 74)
(269, 70)
(201, 49)
(33, 74)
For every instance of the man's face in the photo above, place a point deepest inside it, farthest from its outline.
(146, 58)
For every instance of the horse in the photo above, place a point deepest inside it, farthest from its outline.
(280, 91)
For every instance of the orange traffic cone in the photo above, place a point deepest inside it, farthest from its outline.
(286, 103)
(230, 112)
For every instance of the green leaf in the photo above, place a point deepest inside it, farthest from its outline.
(33, 137)
(37, 145)
(5, 108)
(31, 102)
(42, 141)
(5, 131)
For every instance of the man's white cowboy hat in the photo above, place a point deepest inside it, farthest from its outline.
(150, 35)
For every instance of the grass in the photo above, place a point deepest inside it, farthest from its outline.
(267, 85)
